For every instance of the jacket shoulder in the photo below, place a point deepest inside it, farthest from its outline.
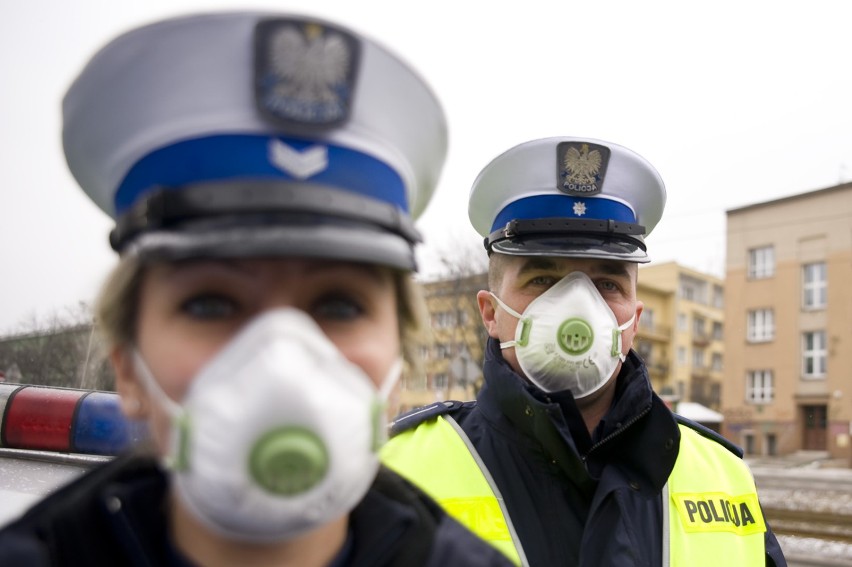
(708, 433)
(411, 419)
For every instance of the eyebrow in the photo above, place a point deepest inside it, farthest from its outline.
(535, 264)
(604, 267)
(612, 269)
(371, 270)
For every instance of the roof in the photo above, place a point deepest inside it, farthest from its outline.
(697, 412)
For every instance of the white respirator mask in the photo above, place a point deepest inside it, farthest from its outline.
(568, 338)
(278, 433)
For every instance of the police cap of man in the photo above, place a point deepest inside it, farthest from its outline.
(249, 134)
(570, 197)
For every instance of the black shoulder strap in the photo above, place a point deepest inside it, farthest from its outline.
(413, 418)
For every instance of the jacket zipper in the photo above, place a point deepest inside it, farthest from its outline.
(618, 432)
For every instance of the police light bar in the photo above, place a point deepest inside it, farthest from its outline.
(65, 420)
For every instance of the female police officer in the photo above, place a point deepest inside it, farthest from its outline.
(263, 172)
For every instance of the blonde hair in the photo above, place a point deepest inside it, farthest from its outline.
(117, 309)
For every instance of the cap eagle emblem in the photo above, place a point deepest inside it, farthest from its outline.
(582, 166)
(312, 66)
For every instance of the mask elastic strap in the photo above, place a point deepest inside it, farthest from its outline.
(379, 419)
(179, 459)
(150, 383)
(616, 339)
(513, 313)
(390, 380)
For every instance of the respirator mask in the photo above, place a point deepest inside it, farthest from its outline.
(568, 338)
(278, 433)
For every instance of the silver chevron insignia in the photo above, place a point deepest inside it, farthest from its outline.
(300, 164)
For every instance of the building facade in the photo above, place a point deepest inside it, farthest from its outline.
(789, 324)
(681, 333)
(452, 353)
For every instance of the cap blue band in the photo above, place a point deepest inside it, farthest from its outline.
(219, 158)
(563, 206)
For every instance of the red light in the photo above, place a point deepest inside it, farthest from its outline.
(40, 419)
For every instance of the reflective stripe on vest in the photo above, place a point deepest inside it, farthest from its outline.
(713, 516)
(438, 457)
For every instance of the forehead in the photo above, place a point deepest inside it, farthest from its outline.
(592, 267)
(273, 268)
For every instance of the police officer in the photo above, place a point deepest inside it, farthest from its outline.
(568, 457)
(264, 172)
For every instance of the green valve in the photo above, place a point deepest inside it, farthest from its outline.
(288, 461)
(575, 336)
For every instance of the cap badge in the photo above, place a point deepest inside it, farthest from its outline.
(581, 167)
(301, 164)
(304, 72)
(579, 208)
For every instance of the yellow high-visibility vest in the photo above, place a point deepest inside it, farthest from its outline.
(712, 515)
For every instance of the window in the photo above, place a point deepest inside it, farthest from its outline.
(681, 356)
(716, 362)
(692, 289)
(462, 317)
(645, 350)
(748, 443)
(813, 354)
(813, 286)
(698, 358)
(717, 331)
(444, 320)
(647, 320)
(759, 387)
(770, 444)
(718, 296)
(761, 263)
(699, 326)
(761, 325)
(442, 350)
(440, 381)
(682, 322)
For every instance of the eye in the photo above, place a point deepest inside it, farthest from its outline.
(209, 306)
(545, 281)
(608, 286)
(337, 307)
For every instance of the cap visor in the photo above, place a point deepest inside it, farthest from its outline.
(573, 247)
(354, 243)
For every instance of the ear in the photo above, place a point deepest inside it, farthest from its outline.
(133, 396)
(488, 312)
(639, 308)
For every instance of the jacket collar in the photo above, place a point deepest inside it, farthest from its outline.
(638, 432)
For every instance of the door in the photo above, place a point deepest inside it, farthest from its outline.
(815, 425)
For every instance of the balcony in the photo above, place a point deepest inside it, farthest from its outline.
(655, 332)
(701, 339)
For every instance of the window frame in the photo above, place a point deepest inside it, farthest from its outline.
(761, 262)
(766, 325)
(757, 393)
(818, 353)
(818, 288)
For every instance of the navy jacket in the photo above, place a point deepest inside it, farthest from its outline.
(574, 498)
(115, 515)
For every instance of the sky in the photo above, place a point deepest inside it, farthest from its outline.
(734, 103)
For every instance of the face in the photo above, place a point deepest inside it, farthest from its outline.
(188, 311)
(526, 277)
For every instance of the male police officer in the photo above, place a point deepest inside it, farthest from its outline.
(568, 457)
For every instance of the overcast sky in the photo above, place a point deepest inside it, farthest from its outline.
(733, 102)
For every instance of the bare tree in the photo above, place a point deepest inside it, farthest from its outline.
(59, 350)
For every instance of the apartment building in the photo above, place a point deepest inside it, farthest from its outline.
(452, 354)
(788, 341)
(681, 336)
